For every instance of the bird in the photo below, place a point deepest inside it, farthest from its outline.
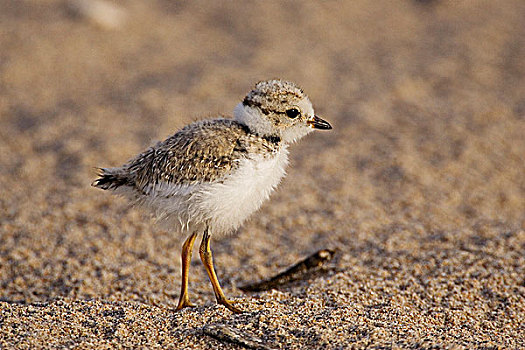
(211, 175)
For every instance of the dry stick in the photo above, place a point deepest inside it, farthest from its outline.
(234, 336)
(293, 273)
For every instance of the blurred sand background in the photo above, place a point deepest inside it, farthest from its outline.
(420, 185)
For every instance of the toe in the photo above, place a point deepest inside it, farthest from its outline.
(185, 303)
(229, 305)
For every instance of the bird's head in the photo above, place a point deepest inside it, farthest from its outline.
(279, 108)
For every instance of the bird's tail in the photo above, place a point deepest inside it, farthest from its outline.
(110, 179)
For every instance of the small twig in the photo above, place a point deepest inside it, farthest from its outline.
(235, 336)
(293, 273)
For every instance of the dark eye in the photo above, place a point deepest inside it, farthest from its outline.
(293, 113)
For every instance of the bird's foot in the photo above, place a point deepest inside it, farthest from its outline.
(184, 302)
(229, 305)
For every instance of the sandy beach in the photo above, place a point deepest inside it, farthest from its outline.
(419, 187)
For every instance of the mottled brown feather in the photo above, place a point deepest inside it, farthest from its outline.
(204, 151)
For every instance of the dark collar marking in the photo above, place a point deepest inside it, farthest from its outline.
(272, 139)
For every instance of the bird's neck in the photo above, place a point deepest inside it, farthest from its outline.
(257, 124)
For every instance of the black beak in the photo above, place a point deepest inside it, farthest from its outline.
(318, 123)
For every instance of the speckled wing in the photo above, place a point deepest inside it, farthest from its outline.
(201, 152)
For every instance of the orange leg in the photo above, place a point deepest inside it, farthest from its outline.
(184, 300)
(207, 260)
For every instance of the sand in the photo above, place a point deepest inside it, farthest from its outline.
(420, 186)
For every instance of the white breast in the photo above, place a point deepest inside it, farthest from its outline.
(223, 206)
(231, 202)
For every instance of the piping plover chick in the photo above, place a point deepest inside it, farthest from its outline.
(213, 174)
